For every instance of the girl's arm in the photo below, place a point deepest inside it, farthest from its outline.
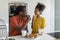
(32, 23)
(34, 17)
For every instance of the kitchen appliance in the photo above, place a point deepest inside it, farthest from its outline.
(3, 29)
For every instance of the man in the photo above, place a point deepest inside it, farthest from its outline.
(19, 21)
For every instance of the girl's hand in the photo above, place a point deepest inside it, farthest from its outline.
(34, 17)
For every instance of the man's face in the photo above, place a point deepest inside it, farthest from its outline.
(23, 13)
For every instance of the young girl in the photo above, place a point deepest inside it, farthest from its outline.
(38, 22)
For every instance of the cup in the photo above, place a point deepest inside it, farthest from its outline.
(24, 33)
(41, 31)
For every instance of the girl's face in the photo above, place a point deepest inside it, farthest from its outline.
(37, 12)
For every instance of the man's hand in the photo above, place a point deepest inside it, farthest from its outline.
(28, 18)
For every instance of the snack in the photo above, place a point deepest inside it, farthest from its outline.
(35, 35)
(30, 36)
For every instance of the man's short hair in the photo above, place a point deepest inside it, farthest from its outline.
(20, 9)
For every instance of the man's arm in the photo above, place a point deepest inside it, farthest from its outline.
(28, 19)
(24, 26)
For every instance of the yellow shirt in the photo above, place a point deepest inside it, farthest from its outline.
(37, 24)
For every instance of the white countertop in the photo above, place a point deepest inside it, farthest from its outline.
(43, 37)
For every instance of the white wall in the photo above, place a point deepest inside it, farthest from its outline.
(3, 15)
(52, 16)
(48, 12)
(57, 15)
(4, 10)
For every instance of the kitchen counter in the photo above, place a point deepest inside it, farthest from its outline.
(43, 37)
